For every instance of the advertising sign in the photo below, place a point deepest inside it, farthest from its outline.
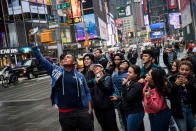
(157, 34)
(14, 5)
(145, 6)
(186, 16)
(102, 29)
(75, 5)
(174, 19)
(48, 2)
(194, 15)
(87, 6)
(90, 28)
(118, 22)
(146, 21)
(173, 4)
(121, 11)
(157, 26)
(184, 3)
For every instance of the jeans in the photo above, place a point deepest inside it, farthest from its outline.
(160, 121)
(75, 120)
(107, 119)
(188, 121)
(135, 121)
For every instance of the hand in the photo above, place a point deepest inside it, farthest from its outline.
(141, 81)
(109, 64)
(147, 93)
(124, 81)
(31, 37)
(178, 81)
(185, 81)
(113, 98)
(90, 111)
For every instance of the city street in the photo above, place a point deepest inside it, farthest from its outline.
(27, 107)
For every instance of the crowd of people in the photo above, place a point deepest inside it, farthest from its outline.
(119, 92)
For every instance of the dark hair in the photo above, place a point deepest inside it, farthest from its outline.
(113, 64)
(63, 56)
(99, 50)
(120, 55)
(91, 56)
(177, 64)
(149, 52)
(136, 69)
(160, 83)
(187, 63)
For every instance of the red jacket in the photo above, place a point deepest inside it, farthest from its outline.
(153, 103)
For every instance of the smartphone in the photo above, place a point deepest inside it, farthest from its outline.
(98, 76)
(35, 30)
(178, 76)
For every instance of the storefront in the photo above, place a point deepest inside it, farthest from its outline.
(9, 56)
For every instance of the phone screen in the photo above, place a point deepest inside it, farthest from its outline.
(35, 30)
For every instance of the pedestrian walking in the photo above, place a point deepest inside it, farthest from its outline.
(155, 91)
(69, 91)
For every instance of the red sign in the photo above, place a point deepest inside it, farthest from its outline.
(145, 6)
(184, 3)
(173, 4)
(76, 11)
(118, 22)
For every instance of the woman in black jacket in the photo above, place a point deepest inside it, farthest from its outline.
(132, 99)
(183, 97)
(101, 87)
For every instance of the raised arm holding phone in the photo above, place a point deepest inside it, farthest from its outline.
(69, 91)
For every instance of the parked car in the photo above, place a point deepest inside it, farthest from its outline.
(31, 68)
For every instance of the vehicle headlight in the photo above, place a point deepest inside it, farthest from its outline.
(25, 70)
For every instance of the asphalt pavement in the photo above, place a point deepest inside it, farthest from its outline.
(27, 107)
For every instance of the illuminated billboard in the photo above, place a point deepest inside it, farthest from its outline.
(75, 5)
(174, 19)
(146, 20)
(90, 28)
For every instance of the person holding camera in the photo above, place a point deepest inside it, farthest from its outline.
(69, 91)
(101, 90)
(183, 97)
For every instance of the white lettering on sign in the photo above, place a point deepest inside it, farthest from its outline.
(8, 51)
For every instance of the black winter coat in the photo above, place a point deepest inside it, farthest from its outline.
(132, 98)
(101, 92)
(176, 109)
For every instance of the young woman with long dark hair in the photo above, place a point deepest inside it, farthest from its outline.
(155, 91)
(132, 99)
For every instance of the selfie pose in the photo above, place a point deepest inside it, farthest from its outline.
(101, 90)
(183, 97)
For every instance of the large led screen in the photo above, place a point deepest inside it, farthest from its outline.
(90, 28)
(174, 19)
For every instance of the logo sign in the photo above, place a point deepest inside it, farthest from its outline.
(8, 51)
